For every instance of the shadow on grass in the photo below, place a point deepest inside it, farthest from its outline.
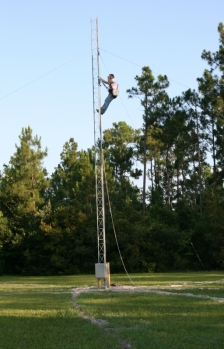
(51, 333)
(47, 321)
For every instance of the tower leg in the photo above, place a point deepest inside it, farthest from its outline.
(108, 275)
(99, 283)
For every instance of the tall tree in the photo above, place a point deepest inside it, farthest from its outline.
(70, 241)
(198, 144)
(121, 155)
(151, 92)
(120, 150)
(170, 118)
(73, 180)
(22, 188)
(211, 86)
(23, 181)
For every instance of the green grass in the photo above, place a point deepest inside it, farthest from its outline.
(37, 313)
(49, 281)
(158, 322)
(165, 279)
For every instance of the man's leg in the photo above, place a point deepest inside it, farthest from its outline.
(106, 103)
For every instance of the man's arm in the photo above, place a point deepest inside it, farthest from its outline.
(105, 81)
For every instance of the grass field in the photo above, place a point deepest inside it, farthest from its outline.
(39, 312)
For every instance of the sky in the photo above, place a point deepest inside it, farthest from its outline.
(46, 70)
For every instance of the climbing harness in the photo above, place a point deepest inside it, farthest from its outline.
(113, 91)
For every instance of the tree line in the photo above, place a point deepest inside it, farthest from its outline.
(173, 221)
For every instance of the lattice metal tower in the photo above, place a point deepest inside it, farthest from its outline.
(101, 268)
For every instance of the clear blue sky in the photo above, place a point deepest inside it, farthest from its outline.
(39, 36)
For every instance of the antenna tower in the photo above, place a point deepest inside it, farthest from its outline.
(102, 267)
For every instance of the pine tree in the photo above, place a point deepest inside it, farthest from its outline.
(22, 190)
(151, 93)
(120, 151)
(211, 86)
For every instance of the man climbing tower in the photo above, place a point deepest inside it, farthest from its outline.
(113, 92)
